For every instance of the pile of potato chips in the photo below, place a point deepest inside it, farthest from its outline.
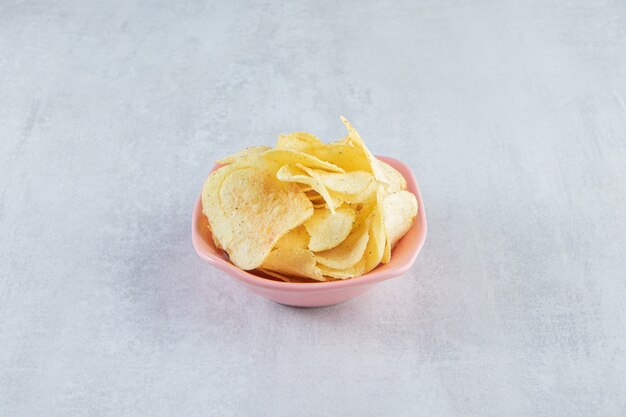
(306, 210)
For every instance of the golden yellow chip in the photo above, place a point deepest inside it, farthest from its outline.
(341, 154)
(296, 238)
(328, 230)
(249, 209)
(354, 182)
(354, 139)
(348, 252)
(275, 275)
(371, 256)
(285, 157)
(293, 261)
(399, 211)
(394, 181)
(250, 151)
(292, 173)
(298, 141)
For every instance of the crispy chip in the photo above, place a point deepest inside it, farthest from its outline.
(328, 230)
(293, 261)
(235, 200)
(284, 157)
(373, 251)
(354, 182)
(250, 151)
(348, 252)
(350, 158)
(354, 139)
(275, 275)
(399, 211)
(394, 181)
(296, 238)
(292, 173)
(298, 141)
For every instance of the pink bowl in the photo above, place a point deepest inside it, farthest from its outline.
(318, 294)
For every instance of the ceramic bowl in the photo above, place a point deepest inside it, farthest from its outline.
(318, 294)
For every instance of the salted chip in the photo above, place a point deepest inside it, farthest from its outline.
(348, 157)
(284, 157)
(348, 252)
(328, 230)
(245, 153)
(296, 238)
(354, 139)
(298, 141)
(275, 275)
(293, 261)
(249, 209)
(296, 174)
(399, 211)
(353, 271)
(378, 239)
(371, 256)
(354, 182)
(394, 181)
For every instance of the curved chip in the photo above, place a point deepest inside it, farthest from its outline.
(393, 180)
(298, 141)
(371, 256)
(248, 210)
(399, 211)
(293, 261)
(354, 139)
(348, 252)
(328, 230)
(291, 173)
(341, 154)
(354, 182)
(284, 157)
(296, 238)
(275, 275)
(250, 151)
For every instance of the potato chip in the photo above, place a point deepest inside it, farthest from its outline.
(296, 238)
(348, 157)
(292, 173)
(275, 275)
(249, 210)
(328, 230)
(250, 151)
(354, 182)
(354, 139)
(348, 252)
(378, 239)
(371, 256)
(394, 181)
(298, 141)
(293, 261)
(399, 211)
(314, 196)
(285, 157)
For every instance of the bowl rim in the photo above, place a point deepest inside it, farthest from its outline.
(205, 251)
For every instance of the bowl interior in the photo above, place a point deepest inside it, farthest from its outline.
(402, 257)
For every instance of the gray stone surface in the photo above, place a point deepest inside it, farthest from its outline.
(512, 115)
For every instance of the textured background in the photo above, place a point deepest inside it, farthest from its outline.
(513, 117)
